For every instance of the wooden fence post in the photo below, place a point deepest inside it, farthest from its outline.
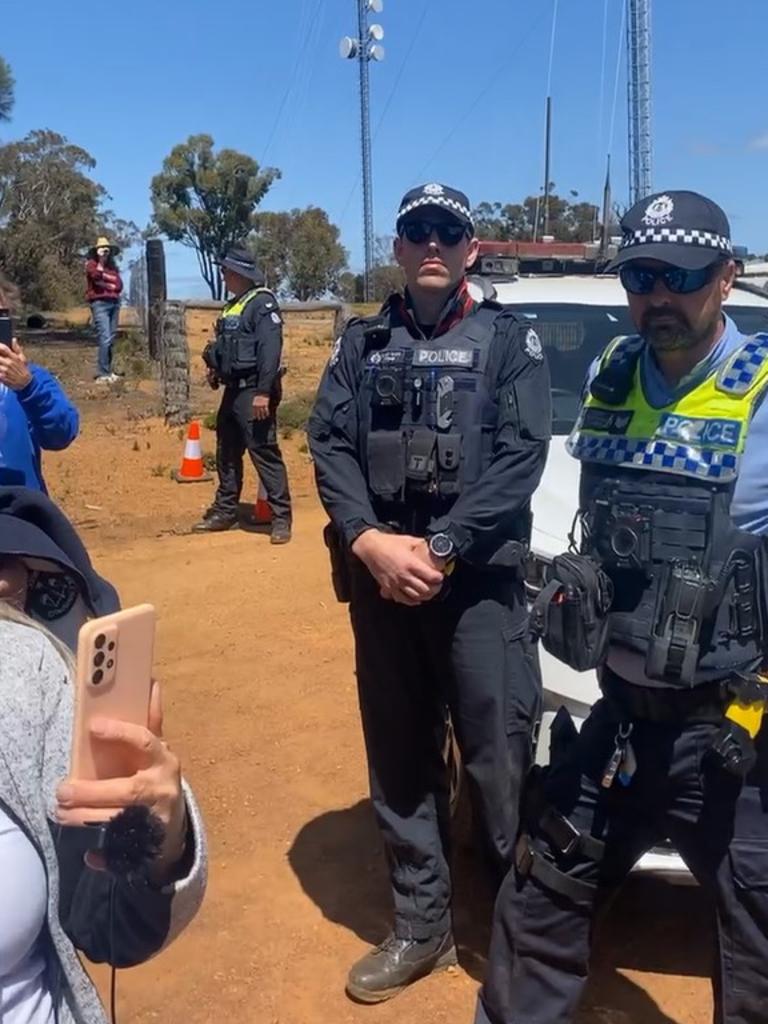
(174, 364)
(156, 294)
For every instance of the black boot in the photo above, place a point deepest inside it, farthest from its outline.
(396, 963)
(281, 533)
(214, 522)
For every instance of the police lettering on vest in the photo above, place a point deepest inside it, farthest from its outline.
(656, 494)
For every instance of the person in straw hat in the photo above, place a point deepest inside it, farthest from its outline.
(104, 286)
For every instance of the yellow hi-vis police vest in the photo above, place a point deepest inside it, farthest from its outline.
(700, 435)
(236, 306)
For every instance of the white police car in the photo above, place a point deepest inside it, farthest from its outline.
(575, 316)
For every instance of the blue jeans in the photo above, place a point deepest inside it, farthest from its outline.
(105, 313)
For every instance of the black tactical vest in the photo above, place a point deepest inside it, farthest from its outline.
(233, 354)
(427, 417)
(688, 583)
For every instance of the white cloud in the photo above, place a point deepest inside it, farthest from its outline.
(759, 141)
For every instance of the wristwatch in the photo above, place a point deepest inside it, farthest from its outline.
(441, 546)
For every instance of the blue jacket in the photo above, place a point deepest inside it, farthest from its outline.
(40, 416)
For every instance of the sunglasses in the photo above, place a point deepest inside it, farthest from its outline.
(419, 231)
(642, 280)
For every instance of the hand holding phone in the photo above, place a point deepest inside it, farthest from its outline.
(118, 755)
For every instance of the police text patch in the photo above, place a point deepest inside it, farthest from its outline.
(442, 357)
(723, 433)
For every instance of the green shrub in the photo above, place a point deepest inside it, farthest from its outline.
(294, 412)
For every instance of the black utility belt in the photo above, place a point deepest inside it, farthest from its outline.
(704, 703)
(241, 382)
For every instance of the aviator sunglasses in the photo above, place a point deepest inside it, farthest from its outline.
(642, 280)
(419, 231)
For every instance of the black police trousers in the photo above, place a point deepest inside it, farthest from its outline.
(237, 432)
(466, 650)
(540, 946)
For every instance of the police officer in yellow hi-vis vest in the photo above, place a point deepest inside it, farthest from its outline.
(245, 357)
(667, 594)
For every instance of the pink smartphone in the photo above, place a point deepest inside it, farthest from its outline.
(113, 680)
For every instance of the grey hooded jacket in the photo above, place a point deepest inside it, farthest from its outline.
(125, 925)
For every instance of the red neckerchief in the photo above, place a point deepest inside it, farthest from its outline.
(459, 305)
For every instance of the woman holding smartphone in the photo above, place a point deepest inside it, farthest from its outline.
(56, 898)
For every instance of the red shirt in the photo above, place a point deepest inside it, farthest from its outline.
(102, 282)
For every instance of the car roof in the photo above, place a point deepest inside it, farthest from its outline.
(587, 290)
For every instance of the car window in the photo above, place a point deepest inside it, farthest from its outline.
(573, 335)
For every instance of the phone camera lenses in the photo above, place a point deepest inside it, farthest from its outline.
(100, 640)
(98, 675)
(99, 659)
(111, 646)
(110, 663)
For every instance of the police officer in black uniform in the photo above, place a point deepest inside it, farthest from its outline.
(673, 515)
(245, 358)
(429, 436)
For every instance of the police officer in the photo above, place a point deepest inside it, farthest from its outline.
(429, 436)
(672, 438)
(245, 358)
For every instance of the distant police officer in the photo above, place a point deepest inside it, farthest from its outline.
(672, 438)
(429, 436)
(245, 358)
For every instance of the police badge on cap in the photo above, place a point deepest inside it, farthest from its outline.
(684, 229)
(441, 196)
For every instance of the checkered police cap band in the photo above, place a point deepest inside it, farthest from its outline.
(677, 236)
(462, 211)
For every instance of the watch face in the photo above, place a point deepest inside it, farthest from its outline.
(441, 545)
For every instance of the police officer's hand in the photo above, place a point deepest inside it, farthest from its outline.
(14, 372)
(394, 562)
(261, 407)
(210, 376)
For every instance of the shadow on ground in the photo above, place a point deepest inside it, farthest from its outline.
(652, 926)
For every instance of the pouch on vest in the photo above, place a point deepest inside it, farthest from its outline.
(243, 354)
(420, 468)
(570, 615)
(448, 463)
(386, 463)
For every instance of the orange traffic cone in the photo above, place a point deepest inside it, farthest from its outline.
(262, 513)
(192, 469)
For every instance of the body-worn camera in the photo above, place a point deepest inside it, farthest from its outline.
(388, 388)
(623, 536)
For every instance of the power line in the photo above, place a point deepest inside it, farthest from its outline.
(480, 96)
(399, 75)
(552, 49)
(305, 31)
(390, 97)
(616, 79)
(601, 114)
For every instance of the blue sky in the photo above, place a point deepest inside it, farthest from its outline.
(459, 98)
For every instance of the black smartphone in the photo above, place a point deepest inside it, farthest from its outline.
(6, 327)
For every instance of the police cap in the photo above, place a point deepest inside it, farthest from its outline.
(418, 199)
(684, 229)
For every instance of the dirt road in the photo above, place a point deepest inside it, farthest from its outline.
(255, 658)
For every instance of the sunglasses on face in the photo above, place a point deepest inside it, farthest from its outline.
(419, 231)
(642, 280)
